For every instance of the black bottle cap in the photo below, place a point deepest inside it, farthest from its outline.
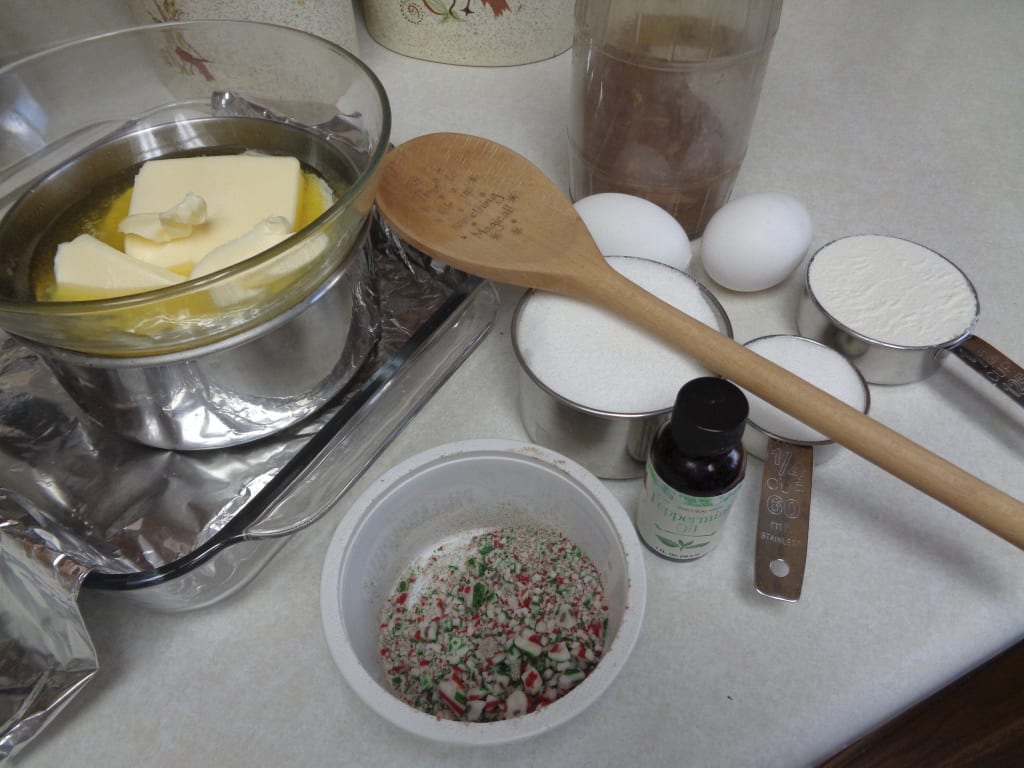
(709, 416)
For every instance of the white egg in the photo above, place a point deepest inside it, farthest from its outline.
(625, 225)
(755, 242)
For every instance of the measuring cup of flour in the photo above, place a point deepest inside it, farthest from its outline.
(790, 450)
(895, 308)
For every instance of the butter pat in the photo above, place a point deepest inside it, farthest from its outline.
(264, 235)
(240, 191)
(87, 268)
(264, 280)
(173, 224)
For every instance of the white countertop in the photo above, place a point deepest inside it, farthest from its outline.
(900, 118)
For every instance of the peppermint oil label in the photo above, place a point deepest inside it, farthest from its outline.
(677, 525)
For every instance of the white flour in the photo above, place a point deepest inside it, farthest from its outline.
(892, 290)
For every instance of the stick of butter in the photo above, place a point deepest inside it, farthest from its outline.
(87, 268)
(264, 235)
(240, 191)
(263, 280)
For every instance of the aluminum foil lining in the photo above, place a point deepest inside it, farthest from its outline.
(76, 500)
(46, 655)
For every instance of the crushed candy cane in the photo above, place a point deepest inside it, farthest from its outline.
(510, 621)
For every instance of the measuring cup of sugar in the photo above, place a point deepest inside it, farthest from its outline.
(595, 387)
(790, 449)
(895, 309)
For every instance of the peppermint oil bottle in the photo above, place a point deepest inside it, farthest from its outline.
(694, 471)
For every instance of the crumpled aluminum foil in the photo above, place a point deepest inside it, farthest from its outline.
(74, 498)
(40, 669)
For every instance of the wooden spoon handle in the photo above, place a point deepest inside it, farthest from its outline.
(898, 455)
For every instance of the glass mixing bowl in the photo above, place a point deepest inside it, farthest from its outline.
(80, 114)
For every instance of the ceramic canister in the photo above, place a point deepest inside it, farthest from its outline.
(332, 20)
(477, 32)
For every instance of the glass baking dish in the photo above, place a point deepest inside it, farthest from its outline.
(177, 531)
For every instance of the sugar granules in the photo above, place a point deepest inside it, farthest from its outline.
(813, 362)
(508, 622)
(596, 359)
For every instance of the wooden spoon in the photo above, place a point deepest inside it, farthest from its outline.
(486, 210)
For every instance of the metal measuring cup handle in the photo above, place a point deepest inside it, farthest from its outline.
(1000, 370)
(783, 519)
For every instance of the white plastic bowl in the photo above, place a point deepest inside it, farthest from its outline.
(448, 493)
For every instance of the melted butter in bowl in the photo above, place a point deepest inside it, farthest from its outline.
(90, 194)
(231, 208)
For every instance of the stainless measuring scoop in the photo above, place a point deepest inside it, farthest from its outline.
(790, 451)
(885, 361)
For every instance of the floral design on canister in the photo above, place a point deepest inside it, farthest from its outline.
(475, 32)
(416, 11)
(178, 53)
